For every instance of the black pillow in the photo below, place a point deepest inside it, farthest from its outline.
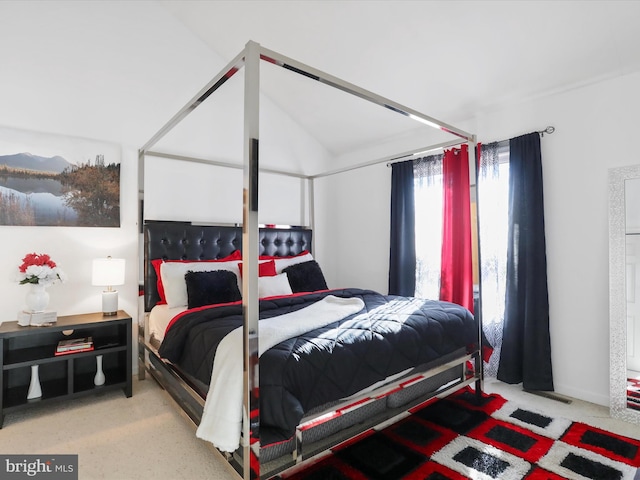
(305, 277)
(208, 288)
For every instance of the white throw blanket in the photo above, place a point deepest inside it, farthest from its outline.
(221, 422)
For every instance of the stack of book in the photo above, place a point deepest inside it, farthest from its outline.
(74, 345)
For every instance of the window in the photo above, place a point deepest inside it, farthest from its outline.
(427, 174)
(493, 219)
(493, 203)
(493, 215)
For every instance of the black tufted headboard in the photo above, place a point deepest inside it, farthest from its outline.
(184, 241)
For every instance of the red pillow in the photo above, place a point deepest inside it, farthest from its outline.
(265, 269)
(236, 255)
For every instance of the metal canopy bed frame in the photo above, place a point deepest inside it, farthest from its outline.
(170, 378)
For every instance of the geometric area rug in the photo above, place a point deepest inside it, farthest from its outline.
(633, 393)
(454, 438)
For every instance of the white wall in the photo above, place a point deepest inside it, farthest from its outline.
(85, 70)
(595, 128)
(595, 131)
(116, 72)
(352, 227)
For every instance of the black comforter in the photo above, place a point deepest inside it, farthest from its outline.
(328, 363)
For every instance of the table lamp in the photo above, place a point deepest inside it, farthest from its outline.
(108, 272)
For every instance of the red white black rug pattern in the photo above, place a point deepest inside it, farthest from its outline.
(633, 393)
(455, 438)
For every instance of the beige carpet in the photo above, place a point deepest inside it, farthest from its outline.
(577, 410)
(119, 438)
(145, 437)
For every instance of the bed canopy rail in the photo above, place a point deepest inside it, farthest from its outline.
(307, 71)
(217, 81)
(352, 89)
(218, 163)
(250, 58)
(391, 158)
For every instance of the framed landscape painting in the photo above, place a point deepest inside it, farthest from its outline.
(51, 180)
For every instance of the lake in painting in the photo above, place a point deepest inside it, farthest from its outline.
(50, 191)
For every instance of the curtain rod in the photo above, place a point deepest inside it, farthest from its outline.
(405, 157)
(548, 130)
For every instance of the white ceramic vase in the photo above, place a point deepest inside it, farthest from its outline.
(37, 298)
(35, 391)
(99, 378)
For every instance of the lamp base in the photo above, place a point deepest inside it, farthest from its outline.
(109, 302)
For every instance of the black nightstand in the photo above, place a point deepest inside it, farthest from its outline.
(64, 376)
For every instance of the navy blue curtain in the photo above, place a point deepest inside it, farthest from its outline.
(526, 347)
(402, 258)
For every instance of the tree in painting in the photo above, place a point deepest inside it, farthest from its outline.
(93, 191)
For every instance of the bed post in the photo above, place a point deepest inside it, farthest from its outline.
(477, 311)
(143, 316)
(312, 211)
(250, 229)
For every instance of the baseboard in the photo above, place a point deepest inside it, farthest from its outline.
(551, 395)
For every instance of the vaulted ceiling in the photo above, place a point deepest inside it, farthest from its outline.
(448, 59)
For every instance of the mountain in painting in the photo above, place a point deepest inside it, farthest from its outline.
(28, 161)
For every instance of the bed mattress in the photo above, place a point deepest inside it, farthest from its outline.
(159, 318)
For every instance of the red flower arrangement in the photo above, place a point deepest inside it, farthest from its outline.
(38, 268)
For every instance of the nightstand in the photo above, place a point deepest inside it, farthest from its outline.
(64, 376)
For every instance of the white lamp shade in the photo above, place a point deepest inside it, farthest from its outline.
(108, 272)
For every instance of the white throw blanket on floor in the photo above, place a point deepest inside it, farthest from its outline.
(221, 422)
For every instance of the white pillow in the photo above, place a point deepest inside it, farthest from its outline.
(275, 285)
(175, 287)
(282, 263)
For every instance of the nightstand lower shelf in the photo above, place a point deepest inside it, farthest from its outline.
(63, 377)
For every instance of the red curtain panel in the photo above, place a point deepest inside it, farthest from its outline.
(456, 278)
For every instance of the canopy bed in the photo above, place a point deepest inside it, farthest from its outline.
(274, 421)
